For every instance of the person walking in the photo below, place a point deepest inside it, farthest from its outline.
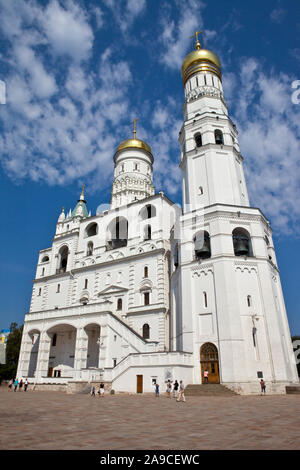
(20, 385)
(175, 389)
(169, 389)
(262, 387)
(16, 384)
(101, 390)
(93, 391)
(156, 390)
(181, 396)
(206, 376)
(10, 384)
(25, 385)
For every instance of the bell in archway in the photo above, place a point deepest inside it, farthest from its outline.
(241, 248)
(202, 248)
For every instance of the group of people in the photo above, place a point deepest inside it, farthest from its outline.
(100, 391)
(16, 383)
(178, 390)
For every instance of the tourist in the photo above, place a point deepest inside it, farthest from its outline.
(10, 384)
(262, 387)
(101, 390)
(181, 396)
(206, 376)
(93, 391)
(20, 385)
(169, 389)
(25, 385)
(175, 389)
(16, 385)
(156, 390)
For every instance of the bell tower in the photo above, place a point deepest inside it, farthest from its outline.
(227, 303)
(211, 163)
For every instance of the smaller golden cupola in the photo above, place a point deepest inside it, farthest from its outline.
(134, 143)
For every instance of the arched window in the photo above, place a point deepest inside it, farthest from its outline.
(249, 303)
(91, 230)
(119, 304)
(146, 271)
(86, 283)
(198, 139)
(43, 271)
(147, 232)
(58, 289)
(45, 258)
(205, 299)
(146, 331)
(241, 242)
(54, 338)
(90, 248)
(40, 292)
(117, 233)
(202, 245)
(146, 298)
(219, 137)
(147, 212)
(176, 261)
(62, 259)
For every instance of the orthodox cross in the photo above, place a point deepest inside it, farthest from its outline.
(198, 45)
(134, 127)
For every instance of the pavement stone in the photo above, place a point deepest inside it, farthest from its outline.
(46, 420)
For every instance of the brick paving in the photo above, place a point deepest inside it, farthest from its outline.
(54, 420)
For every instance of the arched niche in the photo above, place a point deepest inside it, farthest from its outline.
(62, 350)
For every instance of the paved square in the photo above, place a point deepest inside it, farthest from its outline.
(54, 420)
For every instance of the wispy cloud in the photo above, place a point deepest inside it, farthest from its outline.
(277, 15)
(269, 133)
(176, 34)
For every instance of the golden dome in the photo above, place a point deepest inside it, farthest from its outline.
(134, 143)
(200, 60)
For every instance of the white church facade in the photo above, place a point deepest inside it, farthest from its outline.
(146, 291)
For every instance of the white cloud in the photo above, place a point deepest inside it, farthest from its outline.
(269, 137)
(57, 120)
(125, 12)
(176, 36)
(67, 29)
(277, 15)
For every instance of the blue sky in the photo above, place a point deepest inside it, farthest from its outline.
(78, 72)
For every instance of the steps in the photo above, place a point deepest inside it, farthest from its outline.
(205, 390)
(292, 389)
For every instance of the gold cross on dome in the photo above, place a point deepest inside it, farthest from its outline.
(134, 127)
(198, 45)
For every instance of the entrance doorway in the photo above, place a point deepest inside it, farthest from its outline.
(209, 361)
(139, 384)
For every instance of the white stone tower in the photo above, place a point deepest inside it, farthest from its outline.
(227, 303)
(133, 171)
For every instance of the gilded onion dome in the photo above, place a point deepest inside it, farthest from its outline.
(200, 60)
(134, 143)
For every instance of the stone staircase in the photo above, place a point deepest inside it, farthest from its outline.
(292, 389)
(208, 390)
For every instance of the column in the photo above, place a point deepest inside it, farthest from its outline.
(43, 356)
(81, 350)
(24, 357)
(103, 348)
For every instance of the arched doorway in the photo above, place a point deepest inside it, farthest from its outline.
(209, 360)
